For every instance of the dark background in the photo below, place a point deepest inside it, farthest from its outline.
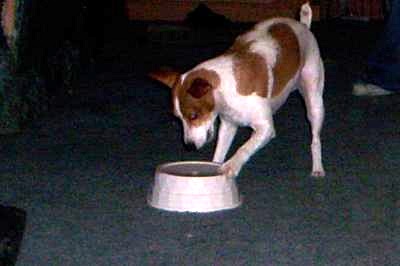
(82, 171)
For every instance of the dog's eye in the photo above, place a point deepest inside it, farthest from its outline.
(193, 116)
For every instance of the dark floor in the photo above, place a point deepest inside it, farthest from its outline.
(82, 173)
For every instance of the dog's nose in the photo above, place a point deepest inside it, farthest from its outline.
(190, 146)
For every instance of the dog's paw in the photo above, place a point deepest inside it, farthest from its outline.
(231, 169)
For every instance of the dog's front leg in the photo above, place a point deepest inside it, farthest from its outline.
(262, 134)
(226, 133)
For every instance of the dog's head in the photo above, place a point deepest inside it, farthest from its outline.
(193, 101)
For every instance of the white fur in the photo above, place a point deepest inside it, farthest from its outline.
(256, 112)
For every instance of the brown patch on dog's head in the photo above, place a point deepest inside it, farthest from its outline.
(195, 95)
(288, 59)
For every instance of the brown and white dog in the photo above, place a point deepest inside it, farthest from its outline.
(245, 86)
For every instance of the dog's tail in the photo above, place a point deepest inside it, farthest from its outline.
(306, 14)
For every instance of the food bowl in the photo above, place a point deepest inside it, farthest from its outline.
(193, 186)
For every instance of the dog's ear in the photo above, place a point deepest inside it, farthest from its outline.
(199, 88)
(167, 76)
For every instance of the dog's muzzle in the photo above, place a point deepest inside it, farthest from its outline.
(198, 137)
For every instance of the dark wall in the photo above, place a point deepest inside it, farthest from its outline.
(70, 28)
(84, 23)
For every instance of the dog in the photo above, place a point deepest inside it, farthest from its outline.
(247, 84)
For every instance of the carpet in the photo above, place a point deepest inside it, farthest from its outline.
(12, 225)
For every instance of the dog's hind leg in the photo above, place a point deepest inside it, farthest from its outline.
(312, 85)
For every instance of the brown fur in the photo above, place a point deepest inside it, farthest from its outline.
(196, 100)
(250, 70)
(288, 61)
(166, 75)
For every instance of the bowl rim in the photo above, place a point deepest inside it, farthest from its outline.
(168, 164)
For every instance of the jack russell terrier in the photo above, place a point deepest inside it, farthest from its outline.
(246, 85)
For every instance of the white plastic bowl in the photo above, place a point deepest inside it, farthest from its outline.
(193, 186)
